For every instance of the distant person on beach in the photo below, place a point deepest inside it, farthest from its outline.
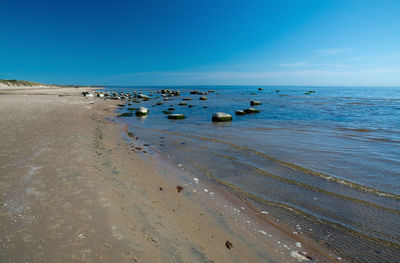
(76, 86)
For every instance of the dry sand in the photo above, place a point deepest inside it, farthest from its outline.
(73, 190)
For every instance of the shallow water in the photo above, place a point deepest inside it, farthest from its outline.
(326, 161)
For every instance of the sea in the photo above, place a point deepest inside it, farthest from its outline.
(323, 160)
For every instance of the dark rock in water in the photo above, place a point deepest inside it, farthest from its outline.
(277, 91)
(165, 98)
(240, 112)
(253, 93)
(126, 114)
(133, 108)
(251, 110)
(146, 99)
(309, 92)
(129, 104)
(205, 107)
(190, 106)
(194, 92)
(203, 98)
(121, 105)
(182, 104)
(171, 109)
(167, 112)
(186, 98)
(211, 91)
(142, 111)
(255, 102)
(176, 116)
(160, 103)
(260, 89)
(220, 117)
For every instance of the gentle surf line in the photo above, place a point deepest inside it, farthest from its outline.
(307, 186)
(324, 221)
(293, 166)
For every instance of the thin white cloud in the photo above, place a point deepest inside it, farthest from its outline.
(355, 58)
(267, 74)
(301, 64)
(333, 51)
(333, 65)
(389, 56)
(294, 64)
(328, 77)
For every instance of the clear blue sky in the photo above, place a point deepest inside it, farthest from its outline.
(187, 42)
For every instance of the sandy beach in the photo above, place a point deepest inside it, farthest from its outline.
(75, 189)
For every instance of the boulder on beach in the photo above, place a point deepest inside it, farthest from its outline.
(255, 102)
(240, 112)
(176, 116)
(251, 110)
(142, 111)
(87, 94)
(203, 98)
(221, 116)
(143, 96)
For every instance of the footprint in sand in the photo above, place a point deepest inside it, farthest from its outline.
(104, 202)
(67, 205)
(116, 233)
(27, 238)
(83, 214)
(88, 202)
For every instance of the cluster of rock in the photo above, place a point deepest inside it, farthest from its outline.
(249, 110)
(117, 95)
(196, 92)
(169, 93)
(165, 93)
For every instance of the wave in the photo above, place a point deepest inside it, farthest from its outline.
(293, 166)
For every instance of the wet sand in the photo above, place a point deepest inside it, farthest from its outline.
(74, 190)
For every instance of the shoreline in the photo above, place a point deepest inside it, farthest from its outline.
(75, 190)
